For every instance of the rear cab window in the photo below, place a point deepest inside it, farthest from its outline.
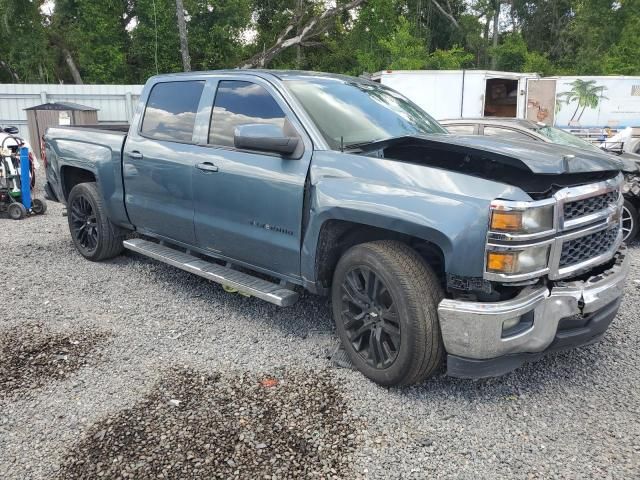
(170, 113)
(240, 103)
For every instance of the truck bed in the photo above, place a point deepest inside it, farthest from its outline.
(95, 150)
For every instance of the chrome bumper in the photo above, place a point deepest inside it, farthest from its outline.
(474, 330)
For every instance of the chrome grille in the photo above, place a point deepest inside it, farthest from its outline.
(588, 247)
(587, 206)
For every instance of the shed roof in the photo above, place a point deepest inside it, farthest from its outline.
(63, 106)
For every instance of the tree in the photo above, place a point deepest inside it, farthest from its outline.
(585, 93)
(453, 59)
(182, 33)
(300, 29)
(403, 50)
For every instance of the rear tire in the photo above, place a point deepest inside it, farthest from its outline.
(38, 206)
(16, 211)
(93, 235)
(385, 304)
(630, 221)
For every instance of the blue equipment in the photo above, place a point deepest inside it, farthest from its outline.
(16, 179)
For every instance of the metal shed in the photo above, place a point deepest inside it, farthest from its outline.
(41, 117)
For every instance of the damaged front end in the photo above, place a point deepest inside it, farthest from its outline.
(485, 339)
(562, 259)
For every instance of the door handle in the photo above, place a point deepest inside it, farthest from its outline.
(207, 167)
(135, 155)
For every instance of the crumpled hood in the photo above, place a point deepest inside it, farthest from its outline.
(539, 157)
(630, 162)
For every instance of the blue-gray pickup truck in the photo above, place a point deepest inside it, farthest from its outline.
(471, 252)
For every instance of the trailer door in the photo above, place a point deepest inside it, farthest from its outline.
(541, 100)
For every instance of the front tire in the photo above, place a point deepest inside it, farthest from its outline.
(630, 223)
(93, 235)
(385, 300)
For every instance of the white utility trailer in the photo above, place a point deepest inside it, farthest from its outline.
(462, 93)
(614, 101)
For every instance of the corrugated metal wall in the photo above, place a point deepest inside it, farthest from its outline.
(115, 103)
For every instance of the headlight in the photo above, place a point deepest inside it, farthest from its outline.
(515, 218)
(515, 262)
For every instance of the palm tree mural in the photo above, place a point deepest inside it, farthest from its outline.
(586, 93)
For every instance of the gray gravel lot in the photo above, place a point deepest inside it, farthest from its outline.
(571, 415)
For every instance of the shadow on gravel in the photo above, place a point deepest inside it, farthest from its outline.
(197, 425)
(30, 355)
(309, 315)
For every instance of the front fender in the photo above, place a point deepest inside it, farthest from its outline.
(445, 208)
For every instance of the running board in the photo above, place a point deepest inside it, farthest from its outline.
(243, 282)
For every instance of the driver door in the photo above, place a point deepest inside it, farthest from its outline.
(249, 204)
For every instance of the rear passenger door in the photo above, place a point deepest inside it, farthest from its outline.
(158, 161)
(249, 205)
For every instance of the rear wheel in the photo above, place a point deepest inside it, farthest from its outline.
(630, 223)
(385, 299)
(39, 206)
(17, 211)
(94, 236)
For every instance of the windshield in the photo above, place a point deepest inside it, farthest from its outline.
(352, 112)
(565, 138)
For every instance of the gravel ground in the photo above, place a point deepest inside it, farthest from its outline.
(241, 388)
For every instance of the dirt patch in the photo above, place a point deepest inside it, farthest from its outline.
(194, 425)
(31, 355)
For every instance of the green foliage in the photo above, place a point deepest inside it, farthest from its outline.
(455, 58)
(511, 54)
(402, 49)
(125, 41)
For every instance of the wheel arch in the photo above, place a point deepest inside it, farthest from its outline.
(336, 235)
(72, 176)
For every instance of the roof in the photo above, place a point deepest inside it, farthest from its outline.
(280, 74)
(63, 106)
(516, 122)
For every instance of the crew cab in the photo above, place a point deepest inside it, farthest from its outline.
(471, 252)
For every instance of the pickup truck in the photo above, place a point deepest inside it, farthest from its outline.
(471, 252)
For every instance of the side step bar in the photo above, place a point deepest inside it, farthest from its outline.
(245, 283)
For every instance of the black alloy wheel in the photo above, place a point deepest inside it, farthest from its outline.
(370, 317)
(84, 224)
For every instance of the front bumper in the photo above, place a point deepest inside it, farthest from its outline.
(478, 345)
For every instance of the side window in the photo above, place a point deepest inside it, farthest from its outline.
(461, 129)
(506, 133)
(171, 110)
(239, 103)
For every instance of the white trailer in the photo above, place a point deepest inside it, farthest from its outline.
(462, 93)
(614, 101)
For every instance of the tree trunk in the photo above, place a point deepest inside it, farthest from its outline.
(182, 32)
(75, 73)
(574, 113)
(485, 56)
(581, 113)
(299, 46)
(12, 74)
(496, 32)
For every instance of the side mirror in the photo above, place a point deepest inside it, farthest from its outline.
(11, 130)
(264, 137)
